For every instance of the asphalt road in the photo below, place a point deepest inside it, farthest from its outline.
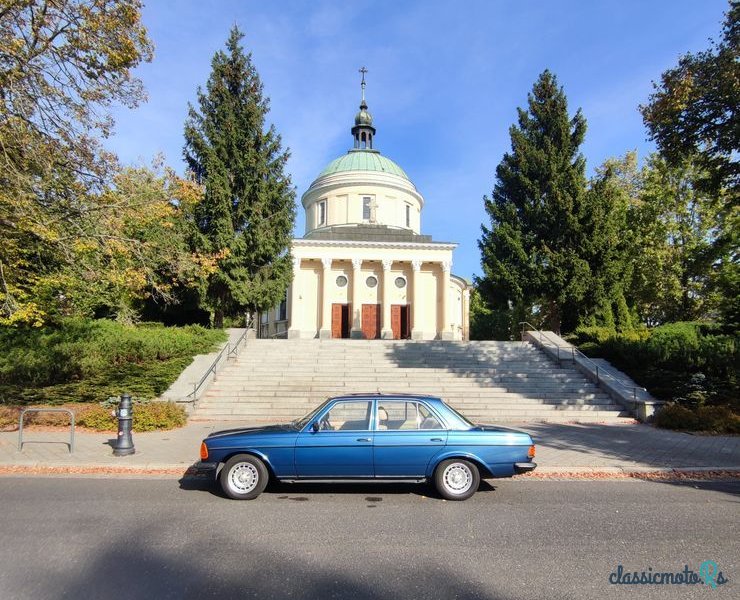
(93, 538)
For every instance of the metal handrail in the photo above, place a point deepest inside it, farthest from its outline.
(230, 349)
(70, 444)
(211, 369)
(576, 352)
(235, 348)
(532, 327)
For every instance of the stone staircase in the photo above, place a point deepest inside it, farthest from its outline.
(489, 382)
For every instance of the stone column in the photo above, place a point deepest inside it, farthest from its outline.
(294, 330)
(324, 304)
(356, 332)
(445, 332)
(466, 315)
(386, 332)
(416, 328)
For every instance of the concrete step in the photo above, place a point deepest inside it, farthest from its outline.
(493, 381)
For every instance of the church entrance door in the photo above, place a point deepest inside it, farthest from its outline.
(371, 321)
(341, 320)
(400, 321)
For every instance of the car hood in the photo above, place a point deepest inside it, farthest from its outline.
(287, 427)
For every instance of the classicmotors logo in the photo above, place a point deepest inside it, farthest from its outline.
(709, 574)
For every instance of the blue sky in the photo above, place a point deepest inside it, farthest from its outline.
(444, 82)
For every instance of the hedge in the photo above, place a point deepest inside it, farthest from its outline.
(89, 361)
(691, 364)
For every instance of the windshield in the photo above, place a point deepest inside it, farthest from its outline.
(303, 421)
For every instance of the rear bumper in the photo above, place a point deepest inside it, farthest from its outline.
(524, 467)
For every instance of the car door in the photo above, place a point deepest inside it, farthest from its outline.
(407, 435)
(341, 447)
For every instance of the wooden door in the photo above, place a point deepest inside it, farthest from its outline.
(336, 320)
(400, 321)
(340, 320)
(396, 321)
(371, 321)
(405, 322)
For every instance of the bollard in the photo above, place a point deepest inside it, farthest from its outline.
(124, 444)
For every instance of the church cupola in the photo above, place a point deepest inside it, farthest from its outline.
(363, 131)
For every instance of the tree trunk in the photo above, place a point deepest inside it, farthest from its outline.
(553, 318)
(218, 319)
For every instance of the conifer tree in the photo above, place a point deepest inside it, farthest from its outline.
(532, 251)
(247, 215)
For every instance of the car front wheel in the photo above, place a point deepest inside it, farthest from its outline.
(456, 479)
(243, 477)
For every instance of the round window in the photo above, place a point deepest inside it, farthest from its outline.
(371, 281)
(341, 281)
(400, 282)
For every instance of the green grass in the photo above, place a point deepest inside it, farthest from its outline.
(89, 361)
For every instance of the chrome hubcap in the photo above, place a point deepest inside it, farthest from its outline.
(457, 478)
(243, 478)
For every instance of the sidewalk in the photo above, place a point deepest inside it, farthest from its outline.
(563, 450)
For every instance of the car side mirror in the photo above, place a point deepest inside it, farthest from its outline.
(315, 426)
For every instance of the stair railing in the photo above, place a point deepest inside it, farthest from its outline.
(601, 374)
(230, 350)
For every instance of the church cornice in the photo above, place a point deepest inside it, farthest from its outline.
(366, 179)
(308, 243)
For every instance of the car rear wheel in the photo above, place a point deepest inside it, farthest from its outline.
(456, 479)
(243, 477)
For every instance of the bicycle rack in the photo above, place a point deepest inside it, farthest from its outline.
(70, 444)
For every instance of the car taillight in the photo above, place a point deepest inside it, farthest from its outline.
(204, 451)
(530, 454)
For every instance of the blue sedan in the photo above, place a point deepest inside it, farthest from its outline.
(369, 437)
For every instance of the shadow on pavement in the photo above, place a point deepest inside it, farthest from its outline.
(231, 564)
(292, 491)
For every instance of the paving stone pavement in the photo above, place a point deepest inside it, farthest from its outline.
(564, 447)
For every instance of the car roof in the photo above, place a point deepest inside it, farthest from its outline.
(371, 395)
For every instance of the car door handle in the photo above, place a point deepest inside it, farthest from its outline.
(363, 439)
(436, 440)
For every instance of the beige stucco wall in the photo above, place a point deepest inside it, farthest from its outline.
(344, 193)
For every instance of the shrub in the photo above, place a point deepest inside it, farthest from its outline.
(716, 419)
(98, 418)
(147, 416)
(87, 361)
(158, 416)
(675, 416)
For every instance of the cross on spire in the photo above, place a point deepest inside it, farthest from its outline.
(363, 70)
(363, 131)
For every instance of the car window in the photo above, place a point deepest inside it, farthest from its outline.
(427, 420)
(400, 415)
(347, 416)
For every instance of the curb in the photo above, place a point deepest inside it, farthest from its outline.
(145, 471)
(557, 473)
(645, 473)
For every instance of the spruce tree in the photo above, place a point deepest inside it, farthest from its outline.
(532, 251)
(248, 211)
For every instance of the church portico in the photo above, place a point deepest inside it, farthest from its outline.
(363, 269)
(396, 286)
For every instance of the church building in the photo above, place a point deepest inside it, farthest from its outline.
(363, 269)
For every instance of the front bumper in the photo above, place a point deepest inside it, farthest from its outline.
(205, 468)
(524, 467)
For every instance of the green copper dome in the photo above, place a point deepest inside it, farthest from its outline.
(364, 160)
